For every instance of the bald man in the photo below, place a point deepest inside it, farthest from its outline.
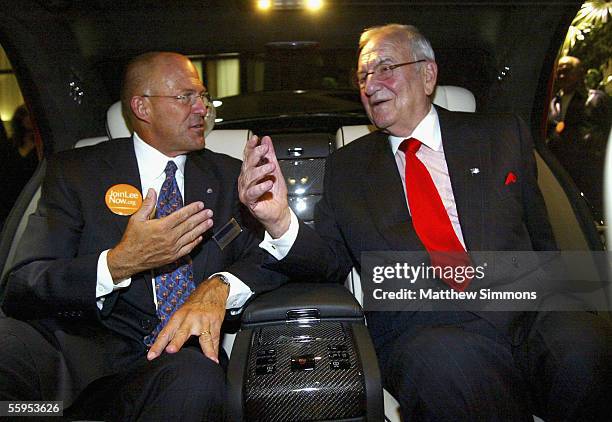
(118, 308)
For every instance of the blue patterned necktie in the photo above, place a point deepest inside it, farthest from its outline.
(173, 282)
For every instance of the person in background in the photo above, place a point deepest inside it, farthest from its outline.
(19, 160)
(578, 125)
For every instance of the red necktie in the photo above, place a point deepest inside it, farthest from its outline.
(430, 219)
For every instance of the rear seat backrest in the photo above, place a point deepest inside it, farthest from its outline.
(454, 98)
(116, 126)
(228, 141)
(86, 142)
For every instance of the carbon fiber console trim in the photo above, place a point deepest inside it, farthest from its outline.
(324, 382)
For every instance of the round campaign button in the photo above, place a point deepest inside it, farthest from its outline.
(123, 199)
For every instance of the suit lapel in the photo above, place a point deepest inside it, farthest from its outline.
(466, 157)
(123, 168)
(384, 195)
(201, 184)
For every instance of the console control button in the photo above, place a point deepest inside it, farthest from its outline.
(265, 369)
(265, 361)
(336, 347)
(339, 365)
(303, 363)
(338, 355)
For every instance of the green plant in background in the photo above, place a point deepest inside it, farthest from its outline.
(590, 38)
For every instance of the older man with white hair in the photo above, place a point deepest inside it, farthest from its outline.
(409, 187)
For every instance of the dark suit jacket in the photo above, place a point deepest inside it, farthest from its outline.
(53, 284)
(581, 146)
(364, 207)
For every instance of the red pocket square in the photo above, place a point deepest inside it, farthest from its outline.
(510, 178)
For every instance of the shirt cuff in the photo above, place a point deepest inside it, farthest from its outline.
(239, 292)
(105, 284)
(279, 248)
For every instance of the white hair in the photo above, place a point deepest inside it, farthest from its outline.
(406, 36)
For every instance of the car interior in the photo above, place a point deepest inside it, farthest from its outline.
(293, 72)
(232, 141)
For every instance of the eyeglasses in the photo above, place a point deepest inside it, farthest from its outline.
(186, 99)
(382, 72)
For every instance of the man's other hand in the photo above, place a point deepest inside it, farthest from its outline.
(201, 315)
(262, 188)
(151, 243)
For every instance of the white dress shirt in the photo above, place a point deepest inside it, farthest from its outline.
(431, 155)
(151, 166)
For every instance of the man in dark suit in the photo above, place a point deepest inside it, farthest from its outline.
(129, 309)
(578, 126)
(474, 178)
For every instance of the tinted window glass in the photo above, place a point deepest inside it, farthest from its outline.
(579, 115)
(18, 151)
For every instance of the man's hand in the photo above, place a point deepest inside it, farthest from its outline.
(262, 188)
(201, 315)
(150, 243)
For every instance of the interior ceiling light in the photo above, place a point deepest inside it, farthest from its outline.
(311, 5)
(264, 4)
(314, 4)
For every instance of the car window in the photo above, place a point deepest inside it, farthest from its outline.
(249, 85)
(18, 151)
(579, 112)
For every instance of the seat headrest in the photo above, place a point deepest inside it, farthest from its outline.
(90, 141)
(116, 126)
(228, 141)
(454, 98)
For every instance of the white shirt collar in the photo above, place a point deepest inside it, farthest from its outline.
(152, 163)
(427, 131)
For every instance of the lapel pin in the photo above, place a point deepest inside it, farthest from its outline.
(474, 170)
(209, 190)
